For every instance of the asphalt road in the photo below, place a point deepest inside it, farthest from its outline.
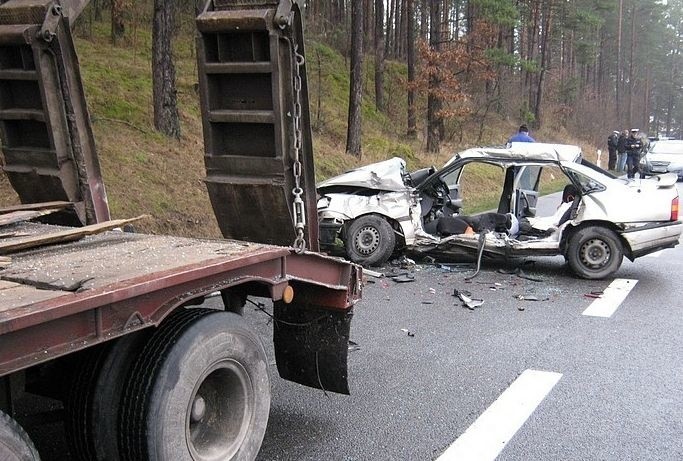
(619, 397)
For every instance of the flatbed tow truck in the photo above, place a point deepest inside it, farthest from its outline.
(112, 323)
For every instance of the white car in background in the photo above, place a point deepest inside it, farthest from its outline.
(664, 156)
(380, 209)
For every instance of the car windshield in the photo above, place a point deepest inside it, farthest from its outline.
(667, 148)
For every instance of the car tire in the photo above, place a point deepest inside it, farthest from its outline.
(370, 240)
(15, 444)
(200, 390)
(594, 252)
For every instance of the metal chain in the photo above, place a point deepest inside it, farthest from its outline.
(298, 203)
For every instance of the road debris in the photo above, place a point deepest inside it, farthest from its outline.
(370, 273)
(521, 274)
(353, 346)
(530, 298)
(408, 332)
(456, 267)
(467, 301)
(594, 294)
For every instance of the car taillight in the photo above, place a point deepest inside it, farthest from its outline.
(674, 209)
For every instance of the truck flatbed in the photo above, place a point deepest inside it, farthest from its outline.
(60, 298)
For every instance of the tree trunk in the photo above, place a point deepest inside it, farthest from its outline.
(379, 55)
(118, 27)
(412, 124)
(166, 118)
(545, 37)
(631, 83)
(620, 23)
(434, 103)
(353, 136)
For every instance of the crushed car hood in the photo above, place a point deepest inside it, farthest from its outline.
(387, 176)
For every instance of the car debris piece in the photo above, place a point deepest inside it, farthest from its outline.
(457, 267)
(467, 301)
(20, 216)
(407, 331)
(353, 346)
(520, 273)
(404, 278)
(530, 298)
(370, 273)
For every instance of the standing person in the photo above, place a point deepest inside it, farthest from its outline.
(612, 144)
(522, 135)
(634, 145)
(621, 151)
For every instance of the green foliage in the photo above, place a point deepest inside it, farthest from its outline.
(501, 57)
(501, 12)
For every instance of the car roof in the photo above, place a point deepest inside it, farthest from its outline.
(524, 151)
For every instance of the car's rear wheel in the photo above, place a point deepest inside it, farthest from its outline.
(594, 252)
(370, 240)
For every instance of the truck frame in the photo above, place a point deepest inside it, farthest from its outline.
(114, 324)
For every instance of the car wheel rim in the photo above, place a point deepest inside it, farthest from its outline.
(367, 240)
(595, 253)
(219, 411)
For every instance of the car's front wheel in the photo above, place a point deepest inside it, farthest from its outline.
(370, 240)
(594, 252)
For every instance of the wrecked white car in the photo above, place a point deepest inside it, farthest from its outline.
(380, 209)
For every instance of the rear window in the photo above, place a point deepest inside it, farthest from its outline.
(663, 147)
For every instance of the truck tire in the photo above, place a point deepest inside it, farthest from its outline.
(199, 391)
(594, 252)
(15, 444)
(108, 392)
(92, 404)
(370, 240)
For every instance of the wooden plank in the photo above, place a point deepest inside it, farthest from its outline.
(4, 284)
(70, 235)
(20, 216)
(36, 206)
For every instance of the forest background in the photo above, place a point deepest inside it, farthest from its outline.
(418, 79)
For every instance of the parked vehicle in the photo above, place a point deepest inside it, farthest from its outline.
(380, 208)
(664, 156)
(114, 324)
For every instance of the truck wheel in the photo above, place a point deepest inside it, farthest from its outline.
(108, 392)
(199, 391)
(15, 444)
(370, 240)
(92, 403)
(594, 252)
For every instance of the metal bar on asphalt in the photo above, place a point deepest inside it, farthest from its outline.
(611, 298)
(488, 435)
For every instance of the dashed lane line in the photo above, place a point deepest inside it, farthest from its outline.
(611, 298)
(488, 435)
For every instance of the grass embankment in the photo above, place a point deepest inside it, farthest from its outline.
(147, 173)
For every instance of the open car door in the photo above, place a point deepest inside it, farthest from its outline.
(526, 184)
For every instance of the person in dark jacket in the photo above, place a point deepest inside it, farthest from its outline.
(634, 146)
(621, 151)
(521, 136)
(612, 143)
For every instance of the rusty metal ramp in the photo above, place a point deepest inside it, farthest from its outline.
(48, 147)
(254, 98)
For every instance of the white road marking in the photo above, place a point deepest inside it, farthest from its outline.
(611, 298)
(656, 254)
(488, 435)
